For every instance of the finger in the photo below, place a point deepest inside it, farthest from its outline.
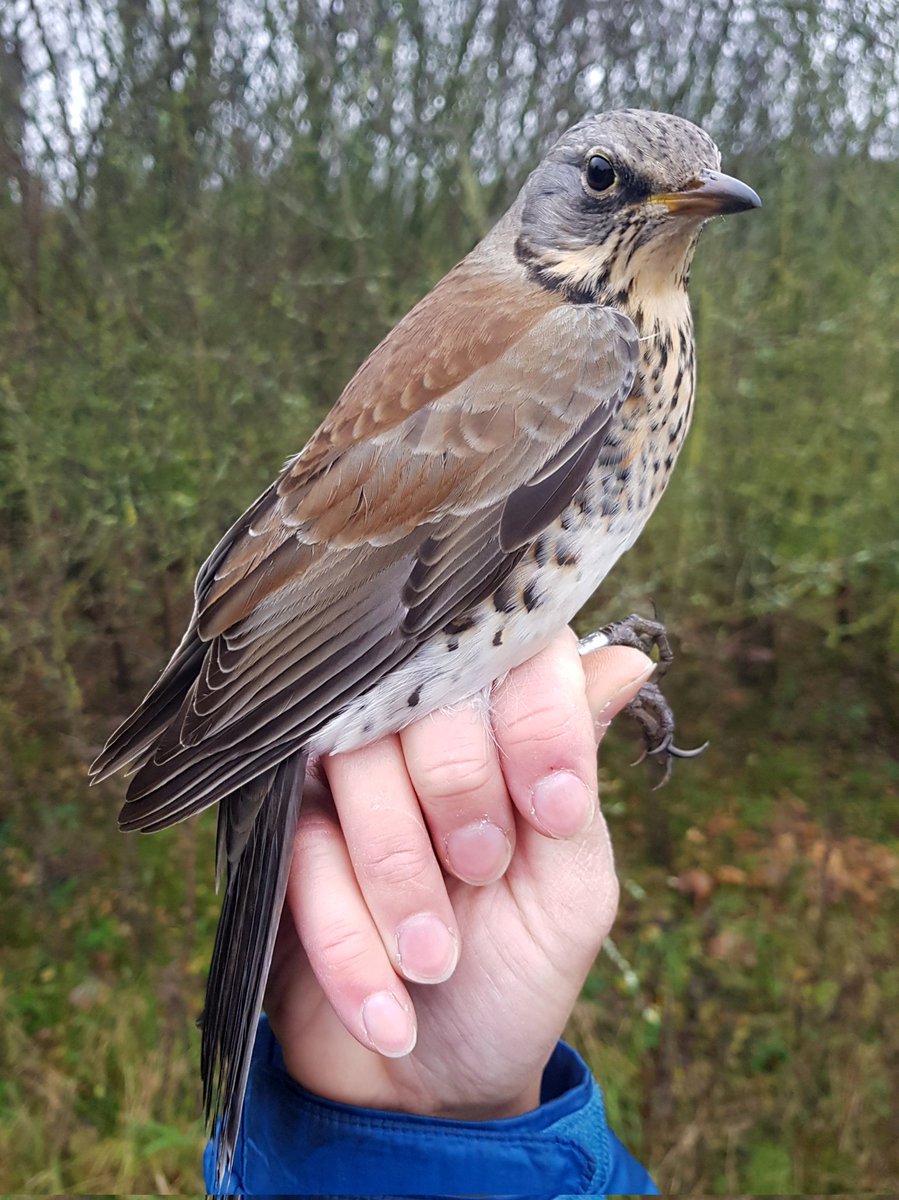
(613, 677)
(454, 766)
(340, 939)
(546, 739)
(394, 861)
(572, 884)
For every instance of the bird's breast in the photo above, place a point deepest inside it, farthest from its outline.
(654, 420)
(563, 567)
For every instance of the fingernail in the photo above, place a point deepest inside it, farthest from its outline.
(478, 853)
(618, 699)
(388, 1025)
(426, 950)
(562, 804)
(634, 685)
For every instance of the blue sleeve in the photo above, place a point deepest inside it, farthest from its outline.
(292, 1142)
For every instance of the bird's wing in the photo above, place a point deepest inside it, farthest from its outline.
(416, 495)
(483, 387)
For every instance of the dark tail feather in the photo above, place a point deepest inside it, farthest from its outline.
(257, 878)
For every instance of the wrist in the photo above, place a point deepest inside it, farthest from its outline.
(362, 1079)
(503, 1109)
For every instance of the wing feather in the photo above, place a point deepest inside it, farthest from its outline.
(438, 481)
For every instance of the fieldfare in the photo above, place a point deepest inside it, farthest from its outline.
(478, 477)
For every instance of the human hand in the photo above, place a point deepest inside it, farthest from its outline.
(370, 904)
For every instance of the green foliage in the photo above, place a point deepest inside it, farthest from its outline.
(751, 1046)
(209, 214)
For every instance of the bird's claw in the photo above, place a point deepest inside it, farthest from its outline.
(649, 707)
(676, 752)
(666, 746)
(667, 752)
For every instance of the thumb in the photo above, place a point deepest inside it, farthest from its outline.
(614, 676)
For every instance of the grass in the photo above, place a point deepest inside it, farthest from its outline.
(751, 1042)
(746, 1033)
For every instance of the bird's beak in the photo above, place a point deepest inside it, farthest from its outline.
(711, 194)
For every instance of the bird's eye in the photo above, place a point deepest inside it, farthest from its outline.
(600, 173)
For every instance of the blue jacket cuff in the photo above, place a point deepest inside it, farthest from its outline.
(292, 1142)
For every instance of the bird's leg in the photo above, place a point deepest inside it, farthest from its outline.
(649, 707)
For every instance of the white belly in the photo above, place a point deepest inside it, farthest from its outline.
(436, 676)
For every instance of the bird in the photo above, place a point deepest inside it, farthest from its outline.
(474, 483)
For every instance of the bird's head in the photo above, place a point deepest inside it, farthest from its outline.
(618, 202)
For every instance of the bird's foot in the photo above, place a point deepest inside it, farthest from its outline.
(649, 707)
(644, 634)
(653, 714)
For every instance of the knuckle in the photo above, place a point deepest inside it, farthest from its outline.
(449, 776)
(544, 724)
(388, 862)
(545, 704)
(316, 834)
(342, 949)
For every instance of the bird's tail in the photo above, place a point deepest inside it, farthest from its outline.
(255, 841)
